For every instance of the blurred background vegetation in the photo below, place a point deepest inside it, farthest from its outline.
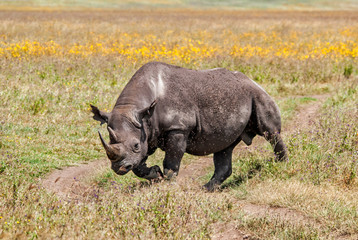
(197, 4)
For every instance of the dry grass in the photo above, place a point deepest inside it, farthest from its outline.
(45, 122)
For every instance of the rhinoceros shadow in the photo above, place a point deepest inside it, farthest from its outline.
(242, 177)
(235, 181)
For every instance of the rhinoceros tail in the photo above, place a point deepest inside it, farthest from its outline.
(266, 121)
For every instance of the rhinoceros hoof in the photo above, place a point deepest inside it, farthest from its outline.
(157, 180)
(158, 171)
(211, 186)
(155, 174)
(169, 174)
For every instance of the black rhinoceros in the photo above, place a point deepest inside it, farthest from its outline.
(181, 110)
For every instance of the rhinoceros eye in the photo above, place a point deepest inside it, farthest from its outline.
(136, 147)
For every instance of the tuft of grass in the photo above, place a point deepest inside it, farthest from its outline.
(348, 70)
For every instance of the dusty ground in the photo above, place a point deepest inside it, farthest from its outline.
(70, 183)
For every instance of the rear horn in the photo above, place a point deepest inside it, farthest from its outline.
(112, 134)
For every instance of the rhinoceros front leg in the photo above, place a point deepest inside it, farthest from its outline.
(175, 146)
(149, 173)
(223, 168)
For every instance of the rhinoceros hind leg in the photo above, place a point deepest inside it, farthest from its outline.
(223, 168)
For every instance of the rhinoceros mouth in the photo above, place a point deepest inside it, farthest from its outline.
(123, 170)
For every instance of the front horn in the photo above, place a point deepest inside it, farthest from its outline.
(109, 149)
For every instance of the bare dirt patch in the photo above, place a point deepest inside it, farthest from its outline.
(284, 214)
(194, 170)
(228, 231)
(70, 182)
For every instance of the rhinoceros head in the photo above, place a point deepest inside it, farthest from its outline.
(128, 144)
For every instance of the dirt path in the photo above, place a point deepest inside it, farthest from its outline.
(306, 114)
(71, 182)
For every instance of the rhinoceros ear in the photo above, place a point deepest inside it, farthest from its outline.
(146, 112)
(99, 115)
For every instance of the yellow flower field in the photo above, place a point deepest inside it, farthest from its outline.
(190, 49)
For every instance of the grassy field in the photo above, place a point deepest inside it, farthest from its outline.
(53, 64)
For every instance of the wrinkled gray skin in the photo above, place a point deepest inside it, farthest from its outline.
(181, 110)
